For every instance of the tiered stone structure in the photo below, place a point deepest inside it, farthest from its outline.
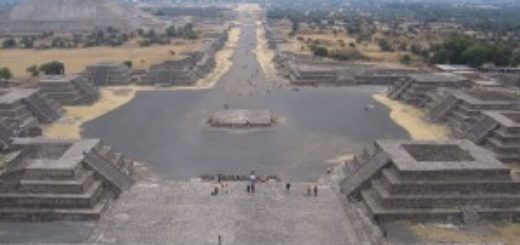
(498, 131)
(415, 89)
(448, 181)
(69, 89)
(461, 109)
(188, 70)
(60, 179)
(109, 74)
(242, 119)
(22, 110)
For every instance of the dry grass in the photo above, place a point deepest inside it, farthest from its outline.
(77, 59)
(505, 234)
(70, 125)
(263, 53)
(409, 118)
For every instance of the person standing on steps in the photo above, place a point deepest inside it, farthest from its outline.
(315, 190)
(252, 178)
(287, 187)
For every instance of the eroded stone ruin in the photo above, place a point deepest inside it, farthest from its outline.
(461, 109)
(187, 70)
(415, 89)
(242, 119)
(433, 181)
(46, 179)
(69, 89)
(109, 74)
(22, 110)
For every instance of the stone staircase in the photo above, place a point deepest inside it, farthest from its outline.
(89, 93)
(440, 111)
(46, 110)
(358, 179)
(398, 89)
(108, 167)
(481, 130)
(41, 195)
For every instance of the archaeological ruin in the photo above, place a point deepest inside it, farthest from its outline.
(498, 131)
(242, 119)
(188, 70)
(461, 109)
(22, 110)
(109, 74)
(44, 179)
(415, 88)
(69, 89)
(449, 181)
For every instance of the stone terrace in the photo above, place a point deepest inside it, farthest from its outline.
(498, 131)
(60, 179)
(434, 181)
(186, 213)
(241, 118)
(462, 108)
(414, 90)
(69, 89)
(109, 74)
(23, 109)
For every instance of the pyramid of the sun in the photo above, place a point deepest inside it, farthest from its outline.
(71, 15)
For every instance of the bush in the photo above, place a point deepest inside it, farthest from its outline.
(33, 70)
(53, 68)
(5, 73)
(319, 51)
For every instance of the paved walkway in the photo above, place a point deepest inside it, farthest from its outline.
(160, 212)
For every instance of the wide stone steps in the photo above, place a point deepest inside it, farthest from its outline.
(394, 185)
(358, 179)
(53, 200)
(481, 130)
(109, 171)
(398, 90)
(50, 214)
(44, 112)
(85, 179)
(440, 111)
(428, 201)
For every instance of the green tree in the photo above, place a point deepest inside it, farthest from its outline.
(5, 73)
(385, 45)
(171, 31)
(128, 63)
(53, 68)
(27, 42)
(476, 55)
(319, 51)
(33, 70)
(9, 43)
(405, 59)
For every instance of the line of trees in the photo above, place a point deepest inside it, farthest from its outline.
(465, 50)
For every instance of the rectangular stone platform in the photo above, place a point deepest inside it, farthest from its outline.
(437, 181)
(57, 179)
(461, 109)
(69, 89)
(241, 118)
(109, 74)
(414, 89)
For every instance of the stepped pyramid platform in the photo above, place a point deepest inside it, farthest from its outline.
(434, 181)
(188, 70)
(22, 110)
(109, 74)
(69, 89)
(242, 119)
(60, 179)
(498, 131)
(414, 90)
(462, 109)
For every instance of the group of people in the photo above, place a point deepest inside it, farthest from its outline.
(312, 190)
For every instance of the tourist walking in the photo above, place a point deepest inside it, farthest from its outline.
(315, 190)
(287, 187)
(252, 179)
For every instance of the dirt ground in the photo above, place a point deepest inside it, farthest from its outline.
(410, 118)
(489, 233)
(263, 53)
(77, 59)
